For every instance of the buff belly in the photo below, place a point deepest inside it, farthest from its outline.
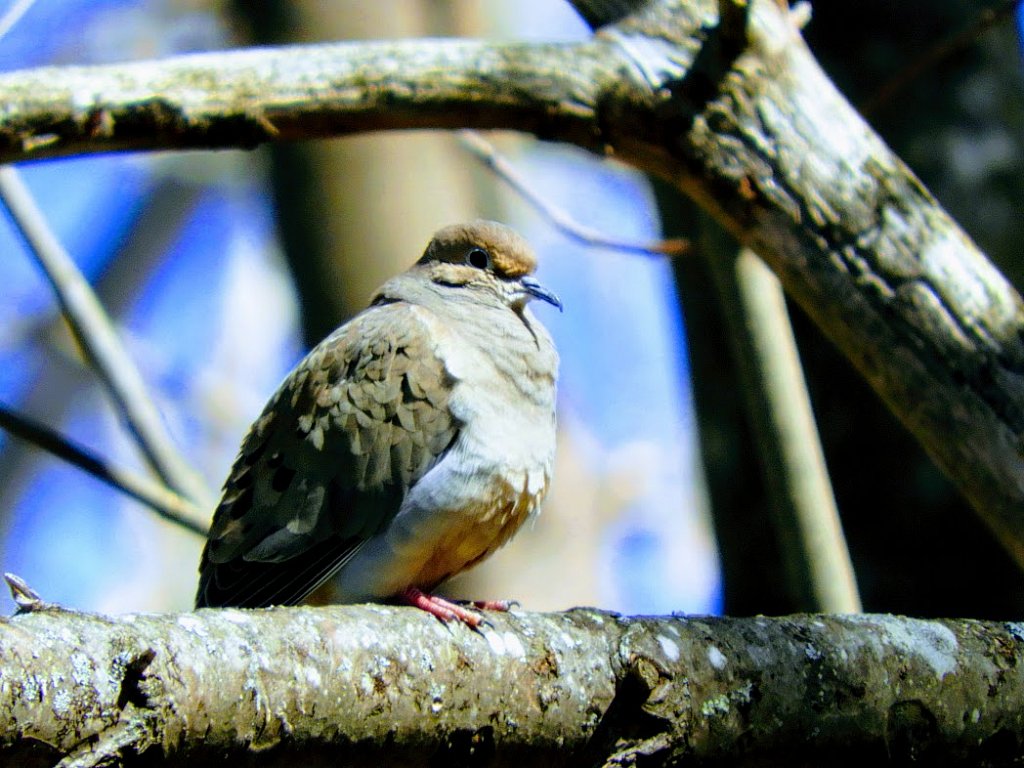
(422, 549)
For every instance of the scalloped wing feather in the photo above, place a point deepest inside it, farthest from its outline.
(326, 466)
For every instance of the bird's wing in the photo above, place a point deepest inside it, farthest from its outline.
(361, 419)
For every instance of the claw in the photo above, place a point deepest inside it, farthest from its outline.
(503, 606)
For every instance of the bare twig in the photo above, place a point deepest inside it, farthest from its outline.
(164, 502)
(26, 598)
(487, 154)
(13, 15)
(940, 51)
(94, 332)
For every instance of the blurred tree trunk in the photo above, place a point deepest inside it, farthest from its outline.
(353, 212)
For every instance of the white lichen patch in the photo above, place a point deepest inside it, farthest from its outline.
(722, 704)
(669, 647)
(83, 99)
(1016, 628)
(513, 646)
(716, 658)
(191, 623)
(931, 642)
(61, 701)
(312, 676)
(496, 641)
(34, 688)
(716, 705)
(568, 641)
(935, 643)
(81, 668)
(240, 618)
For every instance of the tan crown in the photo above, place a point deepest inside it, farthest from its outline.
(511, 255)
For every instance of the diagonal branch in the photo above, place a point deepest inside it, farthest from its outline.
(787, 442)
(157, 497)
(485, 152)
(98, 339)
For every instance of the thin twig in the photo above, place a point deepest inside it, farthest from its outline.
(942, 50)
(13, 15)
(487, 154)
(164, 502)
(98, 340)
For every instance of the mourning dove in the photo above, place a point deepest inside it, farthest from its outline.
(406, 447)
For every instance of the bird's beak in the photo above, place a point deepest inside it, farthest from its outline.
(535, 290)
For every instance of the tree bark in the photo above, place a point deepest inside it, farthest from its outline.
(362, 684)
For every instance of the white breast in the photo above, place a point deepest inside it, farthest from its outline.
(493, 477)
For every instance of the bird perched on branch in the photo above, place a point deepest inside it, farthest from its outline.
(406, 447)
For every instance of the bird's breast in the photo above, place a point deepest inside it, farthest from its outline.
(464, 537)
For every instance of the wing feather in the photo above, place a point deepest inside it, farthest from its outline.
(361, 419)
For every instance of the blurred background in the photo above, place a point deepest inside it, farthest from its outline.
(220, 269)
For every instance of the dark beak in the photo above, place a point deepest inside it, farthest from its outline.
(538, 291)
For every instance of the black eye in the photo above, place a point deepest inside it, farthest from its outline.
(478, 258)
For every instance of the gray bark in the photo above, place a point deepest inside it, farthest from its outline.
(366, 684)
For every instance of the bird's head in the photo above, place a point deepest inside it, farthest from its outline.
(488, 259)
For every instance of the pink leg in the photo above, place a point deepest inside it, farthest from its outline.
(446, 610)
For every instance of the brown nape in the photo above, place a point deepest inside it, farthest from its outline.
(511, 255)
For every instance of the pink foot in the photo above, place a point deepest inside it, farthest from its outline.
(446, 610)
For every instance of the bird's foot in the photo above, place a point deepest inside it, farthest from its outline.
(449, 610)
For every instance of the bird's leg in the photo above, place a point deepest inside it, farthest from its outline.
(443, 609)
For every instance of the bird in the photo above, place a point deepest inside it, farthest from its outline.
(406, 447)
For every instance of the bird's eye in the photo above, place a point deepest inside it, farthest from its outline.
(479, 258)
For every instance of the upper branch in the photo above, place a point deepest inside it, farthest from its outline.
(244, 98)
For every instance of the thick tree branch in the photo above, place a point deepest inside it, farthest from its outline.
(757, 134)
(369, 682)
(244, 98)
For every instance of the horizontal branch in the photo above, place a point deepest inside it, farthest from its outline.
(244, 98)
(582, 686)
